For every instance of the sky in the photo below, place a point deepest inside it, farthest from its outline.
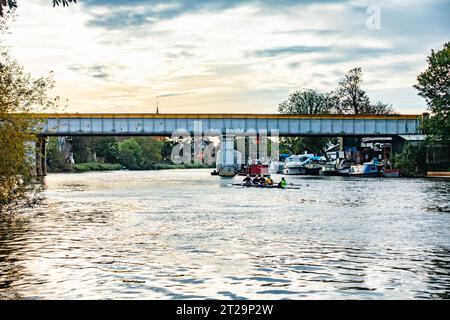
(225, 56)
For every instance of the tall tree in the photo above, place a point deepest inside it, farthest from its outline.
(307, 102)
(434, 85)
(19, 94)
(352, 99)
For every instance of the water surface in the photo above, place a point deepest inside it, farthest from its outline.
(183, 234)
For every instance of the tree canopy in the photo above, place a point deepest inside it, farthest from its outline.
(19, 94)
(307, 101)
(434, 85)
(352, 99)
(348, 98)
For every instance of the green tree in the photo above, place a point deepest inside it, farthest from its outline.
(412, 160)
(80, 148)
(151, 151)
(434, 85)
(105, 148)
(166, 150)
(306, 102)
(56, 160)
(131, 155)
(352, 99)
(20, 95)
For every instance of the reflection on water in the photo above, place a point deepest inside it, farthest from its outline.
(183, 234)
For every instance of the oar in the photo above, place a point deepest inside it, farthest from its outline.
(298, 185)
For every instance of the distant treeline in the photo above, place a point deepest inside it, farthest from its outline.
(110, 153)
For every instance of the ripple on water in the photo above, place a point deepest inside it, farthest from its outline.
(187, 235)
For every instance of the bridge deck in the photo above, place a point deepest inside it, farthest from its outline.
(288, 125)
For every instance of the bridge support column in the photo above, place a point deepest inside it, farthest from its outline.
(41, 156)
(226, 162)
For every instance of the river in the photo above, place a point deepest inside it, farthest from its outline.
(184, 234)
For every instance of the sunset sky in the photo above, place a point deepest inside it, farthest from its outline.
(225, 55)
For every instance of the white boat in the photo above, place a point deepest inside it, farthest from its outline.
(294, 164)
(368, 169)
(306, 164)
(343, 167)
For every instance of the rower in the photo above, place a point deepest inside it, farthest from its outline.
(262, 180)
(256, 180)
(269, 181)
(282, 183)
(248, 180)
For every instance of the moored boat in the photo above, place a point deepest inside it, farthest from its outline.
(303, 165)
(391, 173)
(367, 169)
(328, 170)
(343, 167)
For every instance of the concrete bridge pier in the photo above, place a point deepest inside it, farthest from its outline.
(41, 156)
(226, 165)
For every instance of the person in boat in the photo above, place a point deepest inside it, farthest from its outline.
(256, 180)
(282, 183)
(269, 181)
(247, 180)
(262, 181)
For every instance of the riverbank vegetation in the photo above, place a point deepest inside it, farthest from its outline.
(82, 154)
(96, 166)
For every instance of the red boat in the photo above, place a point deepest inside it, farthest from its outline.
(391, 173)
(256, 170)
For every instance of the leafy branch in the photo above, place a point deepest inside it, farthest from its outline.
(65, 3)
(9, 5)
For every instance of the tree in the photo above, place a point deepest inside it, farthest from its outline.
(105, 148)
(412, 160)
(56, 160)
(352, 99)
(80, 149)
(307, 102)
(19, 94)
(130, 154)
(434, 85)
(166, 151)
(151, 151)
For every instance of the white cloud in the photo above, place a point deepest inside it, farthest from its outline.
(208, 60)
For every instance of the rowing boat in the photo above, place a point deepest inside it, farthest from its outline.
(262, 186)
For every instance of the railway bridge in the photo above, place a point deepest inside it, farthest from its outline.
(120, 124)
